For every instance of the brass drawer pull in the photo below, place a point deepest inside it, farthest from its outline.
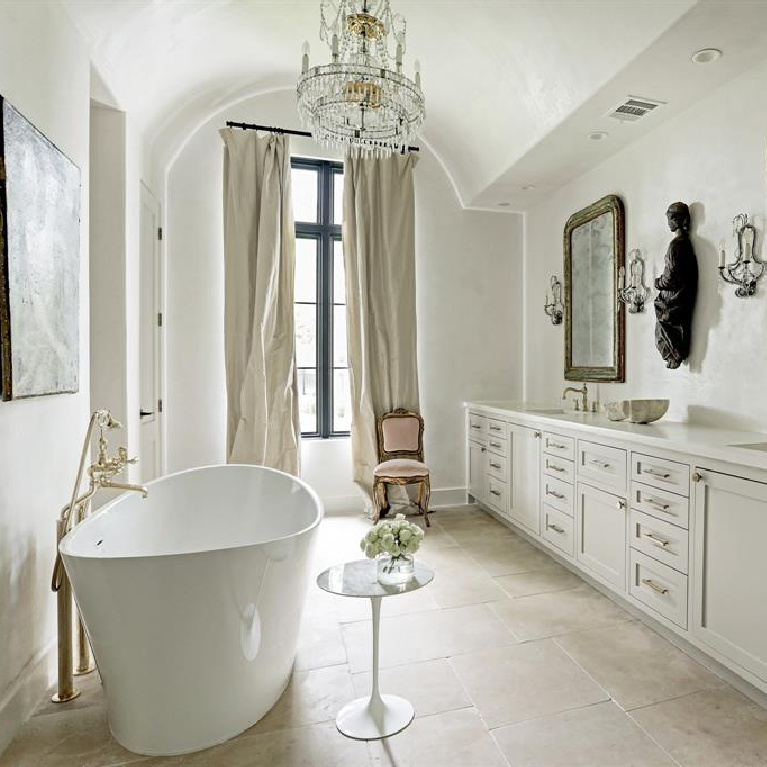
(621, 504)
(556, 446)
(657, 504)
(601, 464)
(656, 473)
(494, 492)
(495, 428)
(495, 465)
(654, 586)
(495, 444)
(537, 435)
(659, 542)
(554, 468)
(555, 494)
(556, 528)
(476, 426)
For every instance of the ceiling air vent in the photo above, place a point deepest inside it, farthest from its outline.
(633, 109)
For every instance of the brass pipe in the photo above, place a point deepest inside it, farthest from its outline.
(84, 664)
(66, 689)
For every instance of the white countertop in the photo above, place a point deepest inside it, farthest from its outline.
(689, 438)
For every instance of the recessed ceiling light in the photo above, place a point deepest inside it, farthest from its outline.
(706, 55)
(528, 187)
(504, 204)
(598, 135)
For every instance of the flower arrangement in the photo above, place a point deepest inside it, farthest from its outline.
(396, 537)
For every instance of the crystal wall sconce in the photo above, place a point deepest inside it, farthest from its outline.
(746, 269)
(635, 293)
(555, 308)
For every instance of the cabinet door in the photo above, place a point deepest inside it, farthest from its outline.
(601, 535)
(477, 472)
(730, 568)
(524, 495)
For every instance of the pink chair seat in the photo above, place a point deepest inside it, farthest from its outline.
(401, 467)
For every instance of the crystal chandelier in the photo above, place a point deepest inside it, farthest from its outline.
(361, 98)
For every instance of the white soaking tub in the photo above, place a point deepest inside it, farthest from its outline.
(192, 600)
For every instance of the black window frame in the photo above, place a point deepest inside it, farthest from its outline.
(325, 232)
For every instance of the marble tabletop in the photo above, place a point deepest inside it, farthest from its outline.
(360, 579)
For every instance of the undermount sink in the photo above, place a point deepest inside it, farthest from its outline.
(547, 411)
(762, 446)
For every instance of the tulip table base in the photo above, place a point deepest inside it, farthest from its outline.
(377, 716)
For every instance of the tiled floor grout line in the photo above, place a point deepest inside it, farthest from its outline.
(613, 700)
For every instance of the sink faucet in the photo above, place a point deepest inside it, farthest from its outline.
(584, 392)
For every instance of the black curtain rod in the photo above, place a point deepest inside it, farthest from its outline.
(288, 131)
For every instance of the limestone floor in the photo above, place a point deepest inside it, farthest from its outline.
(508, 658)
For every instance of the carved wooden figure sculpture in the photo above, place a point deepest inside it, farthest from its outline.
(677, 289)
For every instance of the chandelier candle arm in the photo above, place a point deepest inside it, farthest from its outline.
(635, 293)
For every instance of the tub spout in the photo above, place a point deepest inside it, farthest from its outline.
(125, 486)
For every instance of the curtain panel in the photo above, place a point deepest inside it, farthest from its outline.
(259, 256)
(379, 258)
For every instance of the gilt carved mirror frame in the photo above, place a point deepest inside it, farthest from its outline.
(614, 372)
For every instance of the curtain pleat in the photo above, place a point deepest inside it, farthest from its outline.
(260, 255)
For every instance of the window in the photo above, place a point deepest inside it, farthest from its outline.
(320, 299)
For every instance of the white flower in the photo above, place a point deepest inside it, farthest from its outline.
(395, 550)
(387, 542)
(372, 550)
(405, 534)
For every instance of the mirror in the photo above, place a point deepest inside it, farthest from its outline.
(594, 317)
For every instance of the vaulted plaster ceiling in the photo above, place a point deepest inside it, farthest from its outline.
(501, 78)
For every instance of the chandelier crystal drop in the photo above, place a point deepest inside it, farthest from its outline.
(361, 98)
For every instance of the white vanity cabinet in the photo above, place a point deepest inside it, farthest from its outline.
(600, 545)
(729, 610)
(680, 535)
(524, 499)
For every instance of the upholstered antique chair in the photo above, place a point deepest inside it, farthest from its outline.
(400, 452)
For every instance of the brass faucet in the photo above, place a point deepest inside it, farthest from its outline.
(584, 392)
(100, 475)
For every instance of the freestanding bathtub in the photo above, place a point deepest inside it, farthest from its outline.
(192, 600)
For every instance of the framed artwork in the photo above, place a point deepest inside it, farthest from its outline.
(39, 262)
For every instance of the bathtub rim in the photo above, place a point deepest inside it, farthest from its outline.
(66, 542)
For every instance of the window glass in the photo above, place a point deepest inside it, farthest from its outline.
(338, 198)
(342, 415)
(307, 400)
(306, 270)
(305, 185)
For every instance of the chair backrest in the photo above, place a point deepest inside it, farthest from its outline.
(400, 435)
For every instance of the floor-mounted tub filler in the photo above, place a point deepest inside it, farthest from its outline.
(192, 600)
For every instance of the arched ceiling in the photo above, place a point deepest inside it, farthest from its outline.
(499, 77)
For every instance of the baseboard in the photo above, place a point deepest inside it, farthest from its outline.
(441, 497)
(24, 695)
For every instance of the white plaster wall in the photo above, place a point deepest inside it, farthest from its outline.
(468, 302)
(45, 73)
(711, 156)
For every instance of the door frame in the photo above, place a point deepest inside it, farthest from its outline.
(148, 199)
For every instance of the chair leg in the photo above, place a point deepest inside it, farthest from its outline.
(376, 501)
(426, 485)
(385, 498)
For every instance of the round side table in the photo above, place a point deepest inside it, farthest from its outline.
(377, 716)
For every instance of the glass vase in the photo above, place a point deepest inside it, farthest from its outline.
(394, 571)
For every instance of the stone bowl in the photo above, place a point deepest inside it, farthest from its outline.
(637, 410)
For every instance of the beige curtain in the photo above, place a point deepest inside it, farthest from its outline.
(259, 256)
(379, 256)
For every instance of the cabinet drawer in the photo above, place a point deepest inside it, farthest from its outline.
(498, 445)
(497, 466)
(553, 444)
(603, 465)
(559, 468)
(498, 494)
(496, 428)
(558, 494)
(477, 426)
(659, 472)
(661, 504)
(558, 529)
(659, 587)
(659, 540)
